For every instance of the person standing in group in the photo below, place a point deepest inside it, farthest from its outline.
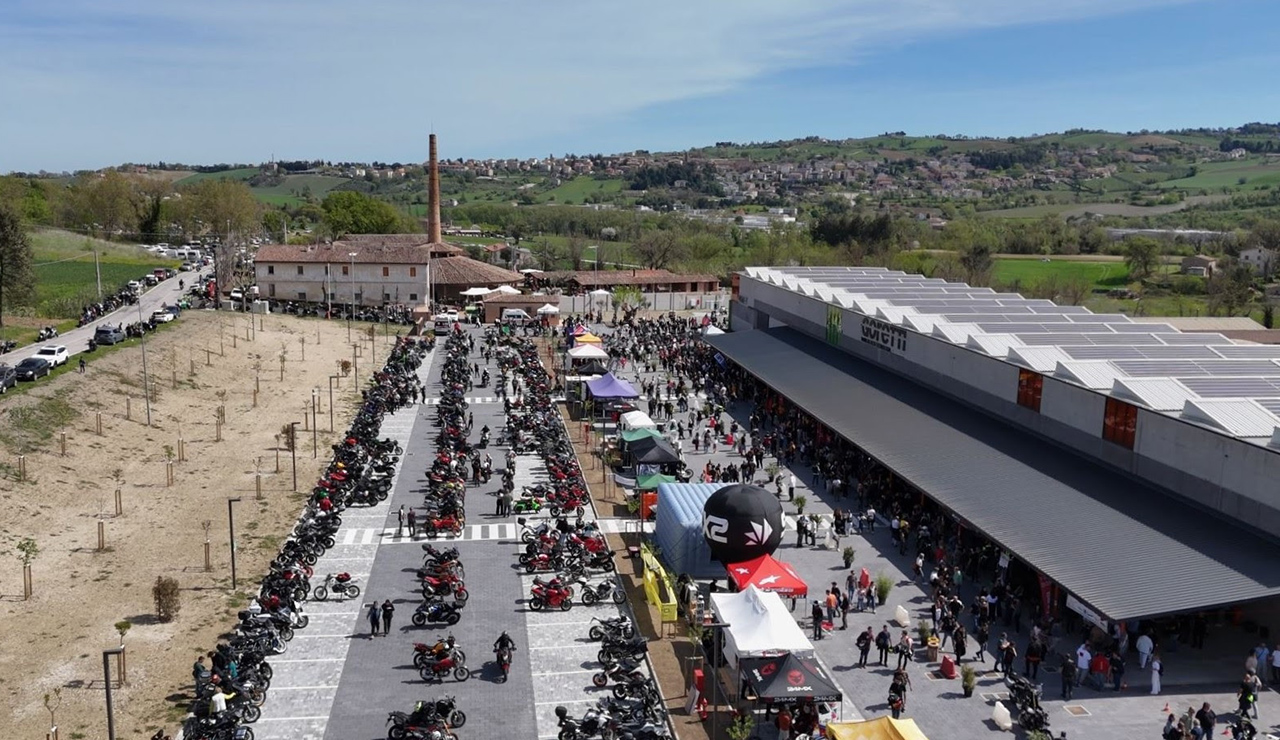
(374, 617)
(1083, 658)
(783, 721)
(387, 610)
(863, 642)
(1275, 664)
(1117, 670)
(1068, 677)
(816, 613)
(1145, 647)
(1157, 672)
(1208, 721)
(883, 642)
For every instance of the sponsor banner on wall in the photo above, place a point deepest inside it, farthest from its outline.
(884, 335)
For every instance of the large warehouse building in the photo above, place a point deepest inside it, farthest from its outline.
(1136, 466)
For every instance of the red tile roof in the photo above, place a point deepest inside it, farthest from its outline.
(592, 278)
(339, 252)
(468, 273)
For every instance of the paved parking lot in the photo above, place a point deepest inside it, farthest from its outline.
(338, 683)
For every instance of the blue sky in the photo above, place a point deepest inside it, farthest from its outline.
(90, 83)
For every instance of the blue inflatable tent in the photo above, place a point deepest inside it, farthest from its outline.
(678, 529)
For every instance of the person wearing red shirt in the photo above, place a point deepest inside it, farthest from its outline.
(1099, 670)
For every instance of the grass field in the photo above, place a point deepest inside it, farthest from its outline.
(575, 191)
(290, 191)
(1029, 272)
(65, 275)
(1256, 173)
(244, 173)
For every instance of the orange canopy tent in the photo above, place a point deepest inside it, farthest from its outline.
(880, 728)
(768, 574)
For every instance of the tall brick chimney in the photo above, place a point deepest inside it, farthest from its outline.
(433, 195)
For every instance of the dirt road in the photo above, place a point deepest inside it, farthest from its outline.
(54, 641)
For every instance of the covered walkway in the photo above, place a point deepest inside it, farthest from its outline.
(1124, 549)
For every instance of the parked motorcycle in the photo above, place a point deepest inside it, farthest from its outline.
(338, 584)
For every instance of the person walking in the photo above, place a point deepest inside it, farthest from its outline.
(1157, 671)
(412, 519)
(960, 643)
(844, 611)
(982, 637)
(783, 722)
(373, 616)
(1083, 658)
(387, 610)
(904, 650)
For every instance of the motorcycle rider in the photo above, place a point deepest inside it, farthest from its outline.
(504, 641)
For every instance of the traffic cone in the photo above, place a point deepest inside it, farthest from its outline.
(1166, 709)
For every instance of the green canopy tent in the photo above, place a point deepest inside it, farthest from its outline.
(635, 435)
(651, 482)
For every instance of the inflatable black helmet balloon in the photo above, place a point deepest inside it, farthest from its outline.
(742, 523)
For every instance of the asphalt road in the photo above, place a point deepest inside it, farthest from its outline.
(77, 340)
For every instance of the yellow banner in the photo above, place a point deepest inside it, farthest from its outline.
(658, 589)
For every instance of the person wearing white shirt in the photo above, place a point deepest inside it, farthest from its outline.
(1083, 658)
(1145, 647)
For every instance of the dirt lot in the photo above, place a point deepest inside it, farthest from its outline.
(55, 640)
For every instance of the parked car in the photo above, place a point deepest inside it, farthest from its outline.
(161, 316)
(8, 377)
(32, 368)
(56, 354)
(108, 335)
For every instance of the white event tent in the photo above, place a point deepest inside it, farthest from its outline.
(588, 352)
(635, 420)
(759, 625)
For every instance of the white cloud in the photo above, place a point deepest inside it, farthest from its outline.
(244, 78)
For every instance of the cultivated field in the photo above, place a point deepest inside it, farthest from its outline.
(54, 641)
(1029, 272)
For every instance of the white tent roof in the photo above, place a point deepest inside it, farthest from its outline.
(506, 289)
(600, 291)
(636, 420)
(759, 624)
(477, 291)
(712, 330)
(548, 308)
(588, 352)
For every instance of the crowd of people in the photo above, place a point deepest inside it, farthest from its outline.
(974, 592)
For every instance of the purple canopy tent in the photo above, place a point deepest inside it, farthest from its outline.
(607, 386)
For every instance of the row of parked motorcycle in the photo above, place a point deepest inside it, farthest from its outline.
(230, 698)
(574, 551)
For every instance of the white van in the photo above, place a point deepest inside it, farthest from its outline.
(515, 316)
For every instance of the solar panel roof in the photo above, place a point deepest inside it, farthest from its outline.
(1069, 342)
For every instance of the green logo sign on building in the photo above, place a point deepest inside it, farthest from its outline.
(834, 314)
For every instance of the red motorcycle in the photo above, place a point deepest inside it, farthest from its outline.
(541, 562)
(445, 585)
(449, 524)
(550, 595)
(436, 670)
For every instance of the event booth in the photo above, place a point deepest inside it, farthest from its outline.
(768, 574)
(760, 625)
(607, 387)
(635, 420)
(587, 352)
(635, 435)
(678, 529)
(786, 679)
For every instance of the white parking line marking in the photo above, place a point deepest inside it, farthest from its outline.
(291, 719)
(303, 688)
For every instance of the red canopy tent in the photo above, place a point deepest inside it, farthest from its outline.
(768, 574)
